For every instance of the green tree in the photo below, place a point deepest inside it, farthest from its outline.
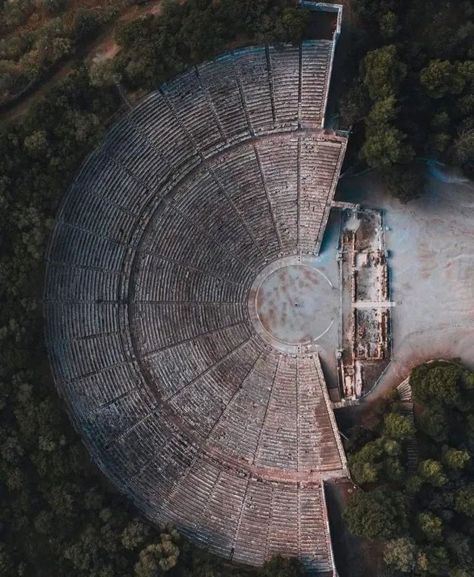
(388, 23)
(391, 447)
(135, 535)
(294, 23)
(103, 73)
(366, 464)
(365, 473)
(460, 547)
(354, 105)
(404, 181)
(464, 502)
(456, 459)
(383, 111)
(400, 554)
(36, 143)
(394, 470)
(432, 472)
(462, 151)
(438, 541)
(158, 558)
(384, 146)
(440, 78)
(413, 484)
(282, 567)
(376, 515)
(431, 525)
(398, 427)
(433, 422)
(383, 72)
(433, 560)
(434, 383)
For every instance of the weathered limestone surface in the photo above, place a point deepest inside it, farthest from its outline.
(180, 401)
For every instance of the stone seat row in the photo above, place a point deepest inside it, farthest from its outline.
(269, 424)
(226, 512)
(163, 281)
(192, 193)
(136, 151)
(158, 326)
(176, 366)
(210, 489)
(185, 240)
(241, 205)
(283, 439)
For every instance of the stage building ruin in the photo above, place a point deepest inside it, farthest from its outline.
(365, 303)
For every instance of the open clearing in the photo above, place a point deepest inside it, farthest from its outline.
(431, 262)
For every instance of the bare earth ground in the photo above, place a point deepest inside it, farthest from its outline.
(354, 557)
(431, 248)
(102, 48)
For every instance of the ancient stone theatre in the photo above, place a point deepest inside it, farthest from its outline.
(180, 297)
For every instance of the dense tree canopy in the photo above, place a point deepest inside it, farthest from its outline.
(421, 508)
(153, 48)
(409, 87)
(37, 35)
(377, 515)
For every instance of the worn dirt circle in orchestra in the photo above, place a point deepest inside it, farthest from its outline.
(290, 304)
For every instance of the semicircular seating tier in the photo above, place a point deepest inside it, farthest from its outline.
(181, 403)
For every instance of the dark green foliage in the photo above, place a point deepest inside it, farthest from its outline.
(154, 48)
(456, 459)
(432, 560)
(437, 386)
(366, 464)
(398, 427)
(440, 78)
(385, 147)
(409, 87)
(424, 514)
(461, 152)
(431, 525)
(49, 32)
(400, 554)
(379, 514)
(432, 472)
(158, 558)
(382, 72)
(464, 502)
(405, 181)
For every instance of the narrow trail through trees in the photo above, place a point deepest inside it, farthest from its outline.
(103, 47)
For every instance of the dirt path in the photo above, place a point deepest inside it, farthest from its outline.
(101, 48)
(355, 557)
(105, 46)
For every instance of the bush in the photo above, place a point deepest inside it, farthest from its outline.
(400, 554)
(376, 515)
